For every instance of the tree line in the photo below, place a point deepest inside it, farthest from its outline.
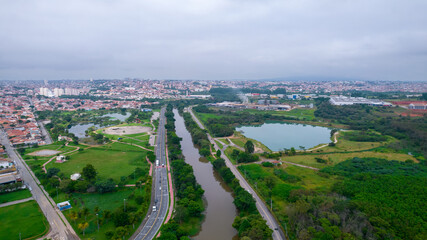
(189, 204)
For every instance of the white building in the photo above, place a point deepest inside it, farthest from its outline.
(418, 106)
(5, 164)
(75, 176)
(57, 92)
(343, 100)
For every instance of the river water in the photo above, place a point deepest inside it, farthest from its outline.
(220, 210)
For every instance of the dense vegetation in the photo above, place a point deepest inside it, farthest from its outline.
(412, 132)
(392, 194)
(189, 193)
(356, 165)
(364, 136)
(314, 215)
(198, 135)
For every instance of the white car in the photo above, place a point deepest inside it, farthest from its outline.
(154, 208)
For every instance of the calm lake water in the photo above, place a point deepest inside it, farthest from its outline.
(220, 210)
(79, 130)
(278, 136)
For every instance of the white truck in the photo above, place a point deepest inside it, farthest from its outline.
(157, 162)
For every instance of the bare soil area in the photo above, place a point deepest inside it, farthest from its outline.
(126, 130)
(44, 153)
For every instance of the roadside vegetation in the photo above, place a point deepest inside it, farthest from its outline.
(187, 218)
(13, 196)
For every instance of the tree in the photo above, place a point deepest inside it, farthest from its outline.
(120, 218)
(105, 185)
(82, 226)
(52, 172)
(181, 213)
(89, 172)
(218, 153)
(133, 218)
(249, 147)
(84, 212)
(73, 216)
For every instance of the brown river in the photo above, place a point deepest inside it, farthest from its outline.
(220, 210)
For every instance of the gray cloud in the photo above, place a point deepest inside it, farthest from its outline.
(213, 39)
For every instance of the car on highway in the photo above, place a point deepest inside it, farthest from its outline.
(154, 208)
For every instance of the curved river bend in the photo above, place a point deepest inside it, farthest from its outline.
(220, 210)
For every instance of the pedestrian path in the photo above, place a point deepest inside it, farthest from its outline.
(16, 202)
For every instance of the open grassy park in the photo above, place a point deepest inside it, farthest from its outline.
(111, 160)
(25, 219)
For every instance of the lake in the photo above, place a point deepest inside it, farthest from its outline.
(277, 136)
(80, 129)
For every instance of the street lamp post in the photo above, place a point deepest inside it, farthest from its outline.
(97, 221)
(57, 192)
(124, 204)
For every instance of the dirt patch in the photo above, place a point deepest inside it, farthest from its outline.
(44, 153)
(126, 130)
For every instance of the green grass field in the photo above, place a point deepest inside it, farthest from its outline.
(25, 218)
(13, 196)
(334, 158)
(205, 116)
(111, 160)
(298, 113)
(107, 201)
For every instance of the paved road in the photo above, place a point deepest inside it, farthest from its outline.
(154, 219)
(262, 208)
(59, 227)
(45, 133)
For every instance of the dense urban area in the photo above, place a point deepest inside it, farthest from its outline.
(186, 159)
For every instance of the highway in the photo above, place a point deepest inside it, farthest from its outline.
(262, 208)
(154, 219)
(60, 229)
(46, 135)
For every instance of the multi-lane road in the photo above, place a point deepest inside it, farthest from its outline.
(60, 229)
(262, 208)
(155, 217)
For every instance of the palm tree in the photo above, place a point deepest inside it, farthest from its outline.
(73, 216)
(82, 226)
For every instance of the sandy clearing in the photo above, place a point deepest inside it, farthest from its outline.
(45, 152)
(126, 130)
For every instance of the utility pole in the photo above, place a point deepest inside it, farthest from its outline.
(271, 204)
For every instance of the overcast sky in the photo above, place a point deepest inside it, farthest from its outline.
(213, 39)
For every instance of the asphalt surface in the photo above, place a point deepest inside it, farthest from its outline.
(154, 219)
(60, 229)
(262, 208)
(46, 135)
